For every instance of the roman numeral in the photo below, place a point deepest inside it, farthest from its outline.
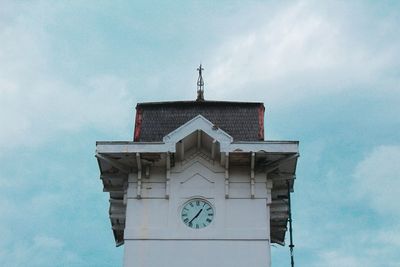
(184, 214)
(208, 220)
(197, 226)
(197, 203)
(186, 220)
(208, 208)
(210, 214)
(191, 204)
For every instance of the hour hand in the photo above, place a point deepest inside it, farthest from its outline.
(197, 215)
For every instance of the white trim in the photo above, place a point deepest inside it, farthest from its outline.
(198, 123)
(134, 147)
(266, 146)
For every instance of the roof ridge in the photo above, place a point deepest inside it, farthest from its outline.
(205, 102)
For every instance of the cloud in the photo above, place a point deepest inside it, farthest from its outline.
(36, 103)
(32, 115)
(307, 50)
(44, 220)
(47, 242)
(352, 216)
(368, 238)
(389, 237)
(376, 180)
(356, 249)
(334, 259)
(41, 251)
(283, 54)
(360, 251)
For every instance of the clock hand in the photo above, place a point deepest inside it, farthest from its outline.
(197, 215)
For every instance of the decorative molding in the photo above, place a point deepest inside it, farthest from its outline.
(205, 162)
(197, 174)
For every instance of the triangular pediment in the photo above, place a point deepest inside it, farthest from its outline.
(198, 123)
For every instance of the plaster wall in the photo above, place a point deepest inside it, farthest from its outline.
(199, 253)
(238, 235)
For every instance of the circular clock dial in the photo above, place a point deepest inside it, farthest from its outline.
(197, 213)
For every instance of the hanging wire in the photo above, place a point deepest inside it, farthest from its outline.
(291, 246)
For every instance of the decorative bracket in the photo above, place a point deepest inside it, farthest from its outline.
(139, 176)
(213, 145)
(167, 175)
(269, 185)
(113, 162)
(252, 182)
(275, 164)
(226, 174)
(182, 150)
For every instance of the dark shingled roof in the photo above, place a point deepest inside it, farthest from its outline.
(244, 121)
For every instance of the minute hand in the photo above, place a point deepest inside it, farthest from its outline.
(197, 215)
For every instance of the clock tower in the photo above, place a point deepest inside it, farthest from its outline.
(198, 185)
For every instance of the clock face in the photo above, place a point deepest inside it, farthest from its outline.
(197, 213)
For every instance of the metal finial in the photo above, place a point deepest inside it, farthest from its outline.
(200, 85)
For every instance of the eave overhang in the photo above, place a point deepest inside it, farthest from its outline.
(126, 147)
(278, 159)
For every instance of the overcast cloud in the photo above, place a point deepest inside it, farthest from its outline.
(71, 74)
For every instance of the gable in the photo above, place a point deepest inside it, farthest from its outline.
(195, 124)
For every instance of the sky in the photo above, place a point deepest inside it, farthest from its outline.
(71, 73)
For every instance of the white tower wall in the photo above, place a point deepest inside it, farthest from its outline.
(238, 235)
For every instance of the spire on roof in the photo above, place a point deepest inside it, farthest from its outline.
(200, 85)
